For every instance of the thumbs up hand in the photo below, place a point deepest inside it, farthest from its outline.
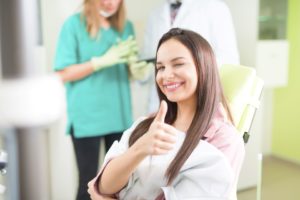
(160, 138)
(161, 114)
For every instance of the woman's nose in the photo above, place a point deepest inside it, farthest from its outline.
(169, 73)
(106, 2)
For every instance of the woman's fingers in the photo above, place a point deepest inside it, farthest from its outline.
(169, 129)
(163, 145)
(165, 137)
(160, 148)
(162, 142)
(158, 151)
(162, 112)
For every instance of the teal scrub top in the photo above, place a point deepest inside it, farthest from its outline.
(100, 103)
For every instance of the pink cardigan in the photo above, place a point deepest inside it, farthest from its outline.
(225, 137)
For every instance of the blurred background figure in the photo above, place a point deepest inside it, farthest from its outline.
(211, 19)
(92, 59)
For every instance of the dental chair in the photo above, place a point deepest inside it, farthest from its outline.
(242, 88)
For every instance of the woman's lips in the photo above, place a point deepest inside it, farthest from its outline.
(171, 87)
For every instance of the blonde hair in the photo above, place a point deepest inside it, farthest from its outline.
(91, 15)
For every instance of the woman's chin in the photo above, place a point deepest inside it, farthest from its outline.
(173, 99)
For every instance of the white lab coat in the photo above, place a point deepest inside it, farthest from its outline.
(206, 175)
(210, 18)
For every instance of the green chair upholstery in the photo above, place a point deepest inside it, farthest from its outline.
(242, 90)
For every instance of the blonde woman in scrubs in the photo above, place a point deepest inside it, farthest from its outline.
(92, 58)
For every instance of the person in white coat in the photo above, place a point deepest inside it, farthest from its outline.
(209, 18)
(190, 148)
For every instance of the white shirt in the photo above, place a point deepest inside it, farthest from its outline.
(206, 175)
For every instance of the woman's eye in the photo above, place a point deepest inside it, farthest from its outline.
(178, 64)
(159, 68)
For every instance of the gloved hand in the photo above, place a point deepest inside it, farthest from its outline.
(118, 53)
(140, 70)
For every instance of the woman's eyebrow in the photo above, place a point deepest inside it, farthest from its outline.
(172, 60)
(177, 58)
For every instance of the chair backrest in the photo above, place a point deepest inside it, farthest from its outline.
(242, 89)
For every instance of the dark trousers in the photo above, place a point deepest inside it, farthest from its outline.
(87, 159)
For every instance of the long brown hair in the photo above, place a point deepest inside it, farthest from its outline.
(91, 16)
(209, 94)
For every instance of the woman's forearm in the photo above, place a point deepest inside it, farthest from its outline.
(118, 171)
(76, 72)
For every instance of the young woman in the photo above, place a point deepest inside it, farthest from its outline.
(92, 58)
(190, 149)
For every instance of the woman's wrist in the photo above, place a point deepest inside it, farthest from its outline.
(137, 152)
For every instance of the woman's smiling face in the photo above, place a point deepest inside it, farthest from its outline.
(176, 72)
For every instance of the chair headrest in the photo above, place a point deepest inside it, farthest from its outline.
(237, 82)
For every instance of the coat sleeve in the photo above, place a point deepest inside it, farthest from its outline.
(150, 42)
(223, 34)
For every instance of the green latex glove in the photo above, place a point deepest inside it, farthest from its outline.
(118, 53)
(140, 70)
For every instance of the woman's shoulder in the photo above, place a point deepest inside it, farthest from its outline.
(135, 124)
(128, 26)
(138, 121)
(73, 20)
(225, 136)
(127, 133)
(76, 17)
(228, 132)
(222, 133)
(128, 23)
